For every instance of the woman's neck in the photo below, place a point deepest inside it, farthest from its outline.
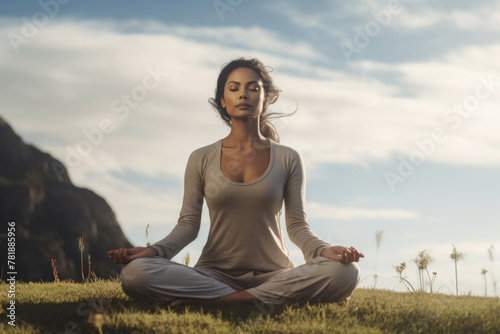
(244, 133)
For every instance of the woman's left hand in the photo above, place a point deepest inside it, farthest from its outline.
(342, 254)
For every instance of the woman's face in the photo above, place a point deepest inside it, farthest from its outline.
(243, 94)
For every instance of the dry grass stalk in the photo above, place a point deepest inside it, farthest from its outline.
(378, 239)
(91, 272)
(456, 256)
(483, 272)
(81, 246)
(147, 235)
(186, 259)
(98, 320)
(54, 271)
(400, 271)
(490, 254)
(422, 261)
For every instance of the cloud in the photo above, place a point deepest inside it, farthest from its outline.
(356, 120)
(65, 81)
(481, 19)
(350, 117)
(403, 14)
(252, 39)
(60, 88)
(414, 21)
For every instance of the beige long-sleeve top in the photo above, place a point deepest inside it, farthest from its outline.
(245, 233)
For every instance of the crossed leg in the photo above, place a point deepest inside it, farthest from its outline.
(319, 280)
(156, 279)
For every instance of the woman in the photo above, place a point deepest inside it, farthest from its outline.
(244, 178)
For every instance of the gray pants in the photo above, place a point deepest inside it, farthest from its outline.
(156, 279)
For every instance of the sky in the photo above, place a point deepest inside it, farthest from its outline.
(395, 115)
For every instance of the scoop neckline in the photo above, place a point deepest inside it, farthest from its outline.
(271, 161)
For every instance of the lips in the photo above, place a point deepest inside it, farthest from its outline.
(246, 105)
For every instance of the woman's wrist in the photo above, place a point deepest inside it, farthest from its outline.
(155, 252)
(321, 251)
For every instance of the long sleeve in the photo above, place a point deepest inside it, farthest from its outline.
(298, 229)
(188, 224)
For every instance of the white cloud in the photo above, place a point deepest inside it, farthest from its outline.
(405, 14)
(415, 16)
(350, 119)
(315, 21)
(484, 18)
(59, 86)
(253, 38)
(412, 21)
(66, 79)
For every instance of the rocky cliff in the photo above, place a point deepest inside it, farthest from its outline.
(50, 213)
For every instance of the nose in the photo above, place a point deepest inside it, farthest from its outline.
(243, 95)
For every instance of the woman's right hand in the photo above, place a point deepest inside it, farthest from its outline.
(125, 255)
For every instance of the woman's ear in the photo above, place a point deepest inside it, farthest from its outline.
(223, 103)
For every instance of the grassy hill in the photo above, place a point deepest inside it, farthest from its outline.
(101, 306)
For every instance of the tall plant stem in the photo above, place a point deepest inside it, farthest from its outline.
(430, 281)
(485, 287)
(81, 256)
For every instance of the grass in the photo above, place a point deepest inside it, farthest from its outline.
(102, 307)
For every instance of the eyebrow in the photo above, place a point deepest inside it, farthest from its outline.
(248, 83)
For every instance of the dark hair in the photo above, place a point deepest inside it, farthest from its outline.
(270, 90)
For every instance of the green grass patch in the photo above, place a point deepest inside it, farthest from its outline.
(67, 307)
